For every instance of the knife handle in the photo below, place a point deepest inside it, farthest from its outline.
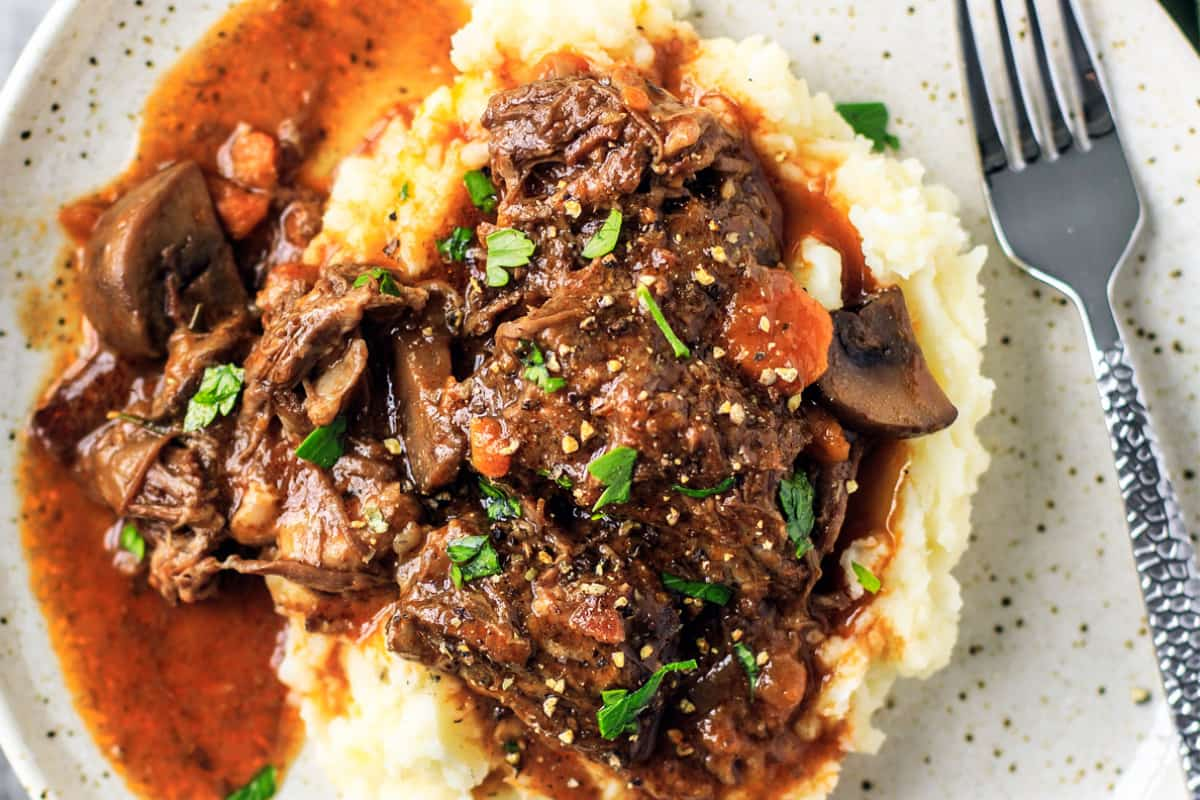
(1162, 550)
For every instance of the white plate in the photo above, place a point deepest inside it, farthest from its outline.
(1037, 703)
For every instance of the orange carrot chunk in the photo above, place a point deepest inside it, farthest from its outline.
(491, 453)
(777, 333)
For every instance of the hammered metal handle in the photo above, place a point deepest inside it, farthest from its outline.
(1166, 560)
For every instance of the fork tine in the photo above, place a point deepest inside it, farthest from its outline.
(991, 146)
(1060, 133)
(1097, 116)
(1026, 139)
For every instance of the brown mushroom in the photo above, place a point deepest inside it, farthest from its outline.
(878, 381)
(156, 260)
(422, 374)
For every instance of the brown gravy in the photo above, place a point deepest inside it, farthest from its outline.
(811, 213)
(180, 712)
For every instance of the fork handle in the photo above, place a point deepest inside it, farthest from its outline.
(1166, 560)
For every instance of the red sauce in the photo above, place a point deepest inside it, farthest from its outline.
(184, 700)
(334, 65)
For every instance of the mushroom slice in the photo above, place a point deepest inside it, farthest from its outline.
(878, 381)
(156, 260)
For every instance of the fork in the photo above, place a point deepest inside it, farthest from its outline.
(1065, 209)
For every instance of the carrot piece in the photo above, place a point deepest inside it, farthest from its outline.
(240, 210)
(777, 333)
(253, 159)
(829, 443)
(491, 453)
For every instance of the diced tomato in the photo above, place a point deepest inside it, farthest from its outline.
(491, 454)
(240, 210)
(777, 333)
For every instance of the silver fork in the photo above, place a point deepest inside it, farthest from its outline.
(1065, 209)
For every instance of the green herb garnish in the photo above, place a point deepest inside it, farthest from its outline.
(506, 248)
(406, 191)
(796, 497)
(615, 470)
(454, 247)
(323, 446)
(723, 486)
(871, 121)
(605, 239)
(619, 713)
(712, 592)
(677, 346)
(471, 558)
(387, 284)
(481, 189)
(746, 658)
(261, 786)
(141, 422)
(132, 541)
(536, 369)
(562, 480)
(498, 504)
(866, 578)
(218, 394)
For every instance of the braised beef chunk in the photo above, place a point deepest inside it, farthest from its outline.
(566, 152)
(607, 486)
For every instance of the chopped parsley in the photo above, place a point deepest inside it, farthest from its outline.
(481, 189)
(677, 346)
(261, 786)
(619, 713)
(498, 504)
(141, 422)
(406, 191)
(870, 120)
(536, 369)
(866, 578)
(712, 592)
(471, 558)
(506, 248)
(387, 284)
(562, 480)
(605, 239)
(723, 486)
(796, 497)
(323, 446)
(614, 469)
(454, 247)
(746, 658)
(132, 541)
(217, 395)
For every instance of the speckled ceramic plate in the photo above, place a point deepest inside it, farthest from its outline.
(1040, 701)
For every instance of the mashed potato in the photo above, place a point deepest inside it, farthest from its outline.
(397, 730)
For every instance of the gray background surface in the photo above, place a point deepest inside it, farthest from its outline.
(18, 18)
